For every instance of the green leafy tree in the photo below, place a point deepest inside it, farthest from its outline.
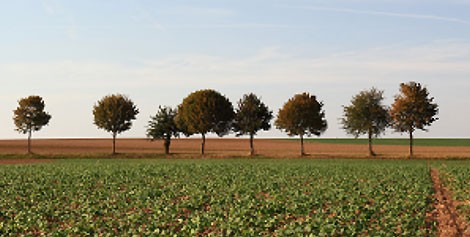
(30, 116)
(251, 116)
(205, 111)
(163, 126)
(366, 115)
(413, 109)
(114, 114)
(302, 115)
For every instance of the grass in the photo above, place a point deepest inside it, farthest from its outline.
(396, 141)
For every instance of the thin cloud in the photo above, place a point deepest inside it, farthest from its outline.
(50, 7)
(382, 13)
(233, 26)
(197, 11)
(144, 16)
(268, 65)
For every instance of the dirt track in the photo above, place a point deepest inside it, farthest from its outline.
(449, 222)
(222, 148)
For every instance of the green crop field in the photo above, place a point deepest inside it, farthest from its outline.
(396, 141)
(236, 197)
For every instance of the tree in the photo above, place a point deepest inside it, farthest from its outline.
(205, 111)
(413, 109)
(302, 115)
(163, 126)
(366, 115)
(114, 113)
(30, 116)
(251, 116)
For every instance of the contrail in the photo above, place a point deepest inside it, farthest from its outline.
(382, 13)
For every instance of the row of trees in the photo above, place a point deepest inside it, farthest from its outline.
(413, 109)
(208, 111)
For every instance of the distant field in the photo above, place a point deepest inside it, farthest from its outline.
(396, 141)
(238, 147)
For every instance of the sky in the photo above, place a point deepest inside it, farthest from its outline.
(72, 53)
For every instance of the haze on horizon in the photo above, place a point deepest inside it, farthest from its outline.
(72, 53)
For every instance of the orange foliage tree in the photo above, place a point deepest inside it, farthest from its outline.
(413, 109)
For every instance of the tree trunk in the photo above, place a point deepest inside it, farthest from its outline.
(252, 148)
(167, 143)
(371, 152)
(203, 143)
(302, 151)
(114, 143)
(29, 141)
(411, 144)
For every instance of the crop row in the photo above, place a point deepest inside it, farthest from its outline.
(456, 176)
(212, 197)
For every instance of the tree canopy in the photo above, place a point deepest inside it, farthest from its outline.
(114, 114)
(203, 112)
(302, 115)
(413, 109)
(163, 126)
(251, 116)
(30, 116)
(366, 115)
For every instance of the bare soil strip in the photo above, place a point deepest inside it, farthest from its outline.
(445, 212)
(225, 147)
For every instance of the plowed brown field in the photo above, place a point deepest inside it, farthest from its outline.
(223, 147)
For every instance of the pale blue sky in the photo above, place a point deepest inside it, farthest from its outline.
(74, 52)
